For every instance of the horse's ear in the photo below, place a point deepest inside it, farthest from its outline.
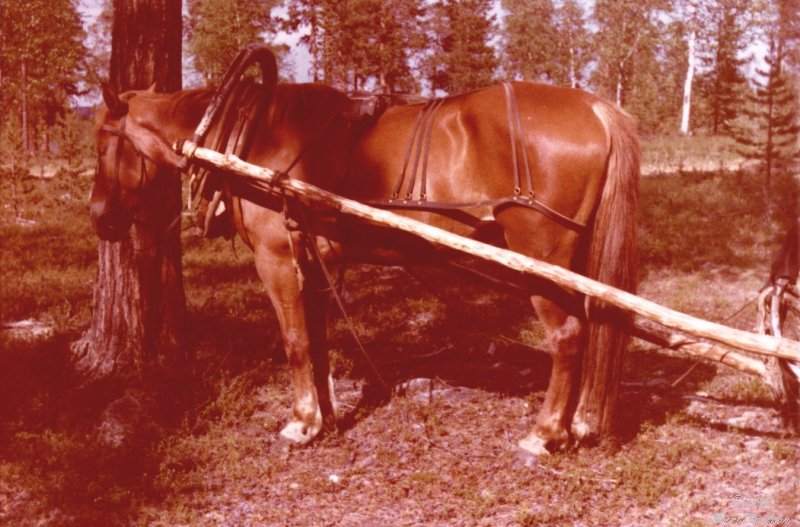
(269, 68)
(152, 88)
(116, 107)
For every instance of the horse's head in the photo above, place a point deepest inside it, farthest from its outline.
(131, 153)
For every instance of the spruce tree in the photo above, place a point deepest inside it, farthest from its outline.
(770, 132)
(723, 86)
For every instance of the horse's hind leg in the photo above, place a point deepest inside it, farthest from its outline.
(565, 329)
(565, 336)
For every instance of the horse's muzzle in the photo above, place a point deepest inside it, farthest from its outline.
(107, 225)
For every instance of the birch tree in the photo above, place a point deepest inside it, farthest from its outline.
(688, 12)
(624, 29)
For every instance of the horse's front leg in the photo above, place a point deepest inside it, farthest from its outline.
(285, 288)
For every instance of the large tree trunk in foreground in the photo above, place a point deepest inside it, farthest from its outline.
(139, 303)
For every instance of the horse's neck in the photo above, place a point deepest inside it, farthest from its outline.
(180, 116)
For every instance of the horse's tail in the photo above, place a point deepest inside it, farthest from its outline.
(612, 259)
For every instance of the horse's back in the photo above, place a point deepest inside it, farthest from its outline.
(468, 155)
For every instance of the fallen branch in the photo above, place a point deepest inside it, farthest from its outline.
(760, 344)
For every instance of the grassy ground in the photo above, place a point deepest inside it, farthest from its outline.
(696, 444)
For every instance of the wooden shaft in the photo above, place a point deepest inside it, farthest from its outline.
(652, 332)
(760, 344)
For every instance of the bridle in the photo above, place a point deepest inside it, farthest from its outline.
(122, 136)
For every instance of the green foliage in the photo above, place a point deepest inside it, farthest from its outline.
(461, 58)
(219, 29)
(626, 37)
(74, 140)
(43, 59)
(770, 132)
(530, 35)
(355, 44)
(545, 41)
(722, 86)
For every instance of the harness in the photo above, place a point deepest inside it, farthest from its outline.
(121, 136)
(233, 135)
(419, 149)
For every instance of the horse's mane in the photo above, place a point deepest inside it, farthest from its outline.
(303, 102)
(290, 103)
(190, 104)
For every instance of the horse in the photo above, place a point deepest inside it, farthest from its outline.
(577, 153)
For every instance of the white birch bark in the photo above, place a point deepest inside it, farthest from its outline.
(687, 85)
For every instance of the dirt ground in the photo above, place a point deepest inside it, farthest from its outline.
(696, 444)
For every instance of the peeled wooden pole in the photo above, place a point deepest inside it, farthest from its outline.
(652, 332)
(760, 344)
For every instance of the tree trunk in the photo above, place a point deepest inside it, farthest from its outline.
(687, 86)
(139, 302)
(26, 135)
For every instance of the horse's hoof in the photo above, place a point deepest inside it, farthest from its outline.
(533, 445)
(299, 433)
(580, 429)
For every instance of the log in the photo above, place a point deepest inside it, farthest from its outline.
(743, 340)
(652, 332)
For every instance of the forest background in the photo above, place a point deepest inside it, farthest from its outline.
(718, 67)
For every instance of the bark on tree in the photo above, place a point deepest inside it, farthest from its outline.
(139, 302)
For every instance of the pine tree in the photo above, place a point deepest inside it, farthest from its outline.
(461, 58)
(219, 29)
(139, 304)
(397, 40)
(308, 14)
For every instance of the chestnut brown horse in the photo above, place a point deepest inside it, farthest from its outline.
(582, 154)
